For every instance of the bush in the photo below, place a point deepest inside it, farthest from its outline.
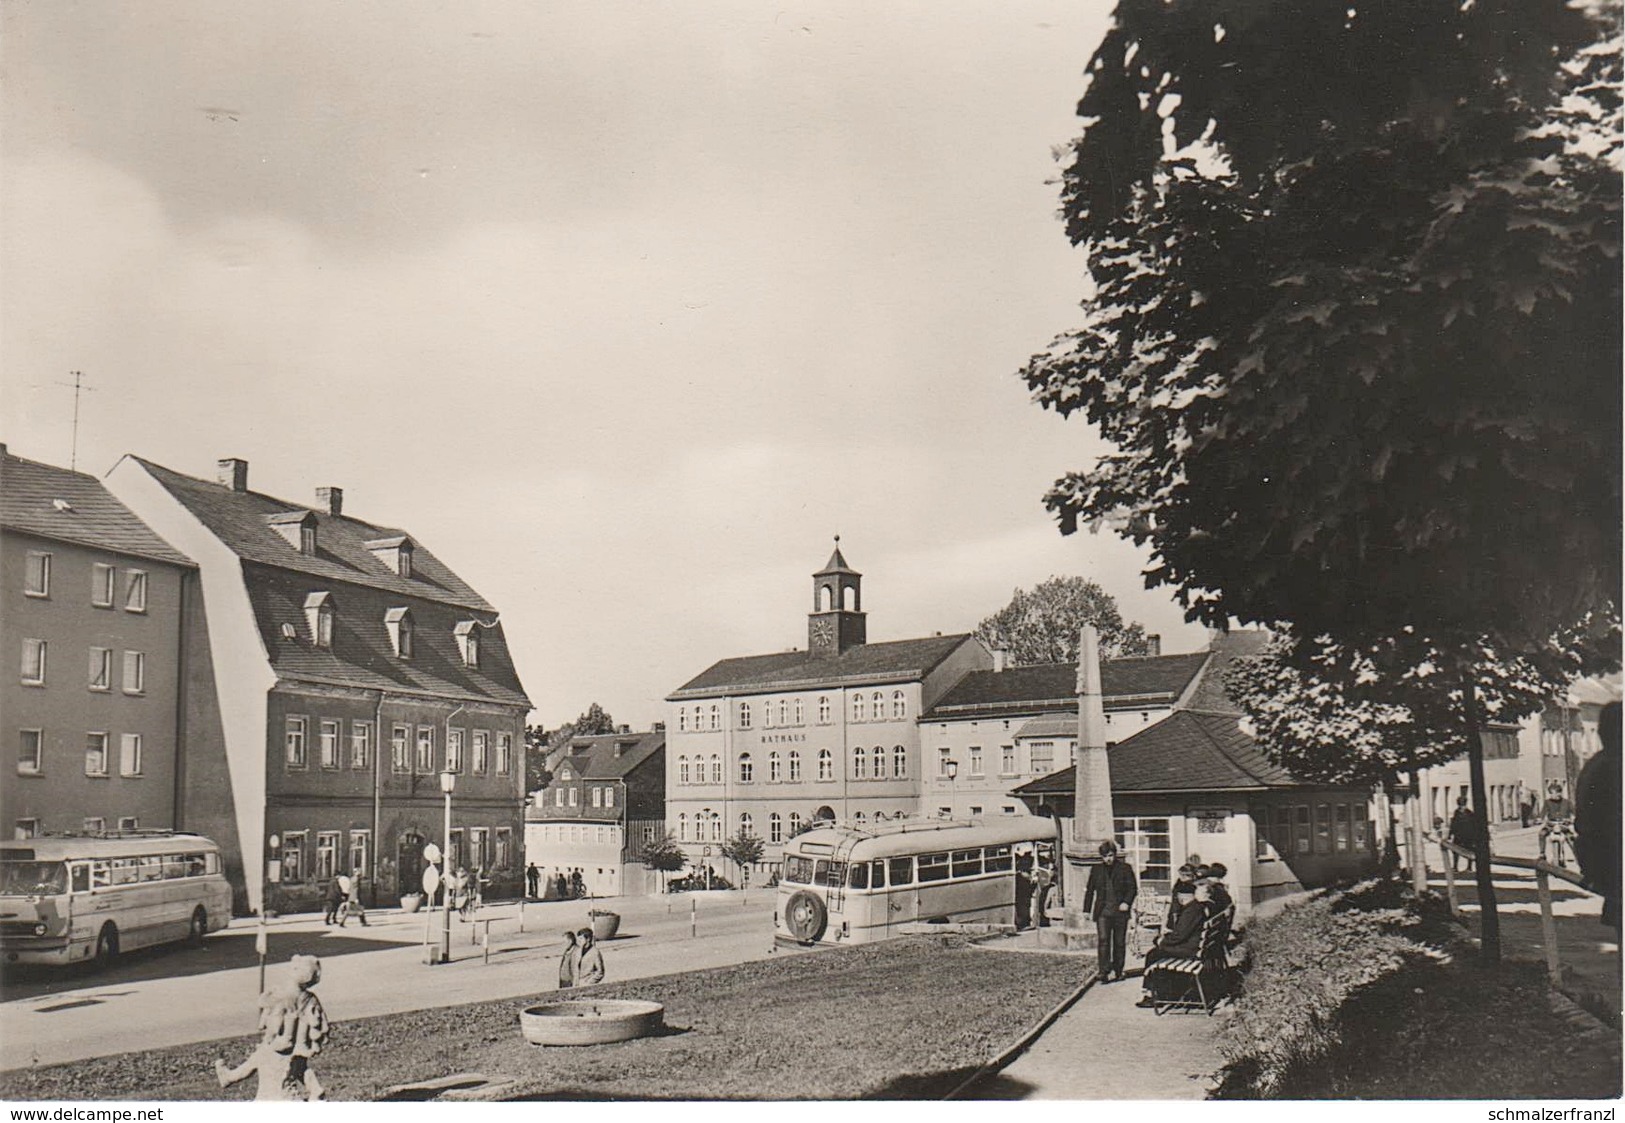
(1306, 962)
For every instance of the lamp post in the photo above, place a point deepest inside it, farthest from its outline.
(273, 874)
(448, 784)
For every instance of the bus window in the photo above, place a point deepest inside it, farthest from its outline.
(152, 868)
(967, 863)
(211, 863)
(126, 871)
(933, 867)
(798, 869)
(174, 866)
(829, 873)
(81, 878)
(859, 877)
(101, 874)
(902, 871)
(197, 865)
(33, 879)
(877, 874)
(998, 859)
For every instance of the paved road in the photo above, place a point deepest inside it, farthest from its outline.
(175, 995)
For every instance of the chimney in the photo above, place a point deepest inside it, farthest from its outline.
(623, 729)
(1153, 642)
(330, 499)
(658, 727)
(233, 473)
(1001, 659)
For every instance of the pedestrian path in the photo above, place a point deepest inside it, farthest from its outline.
(1107, 1048)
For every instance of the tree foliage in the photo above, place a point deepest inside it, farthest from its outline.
(542, 744)
(1042, 626)
(663, 854)
(744, 850)
(1356, 327)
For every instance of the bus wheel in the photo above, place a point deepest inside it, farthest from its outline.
(107, 945)
(805, 916)
(199, 926)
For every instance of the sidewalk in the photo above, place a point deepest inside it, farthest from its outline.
(1107, 1048)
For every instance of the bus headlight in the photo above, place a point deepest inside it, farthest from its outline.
(40, 929)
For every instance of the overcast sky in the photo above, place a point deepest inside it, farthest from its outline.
(622, 310)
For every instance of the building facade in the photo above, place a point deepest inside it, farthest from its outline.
(341, 670)
(605, 802)
(765, 744)
(91, 603)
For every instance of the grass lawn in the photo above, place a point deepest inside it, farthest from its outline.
(901, 1019)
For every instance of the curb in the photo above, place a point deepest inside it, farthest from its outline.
(1024, 1042)
(1587, 1026)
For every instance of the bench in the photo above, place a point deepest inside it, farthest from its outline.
(1197, 982)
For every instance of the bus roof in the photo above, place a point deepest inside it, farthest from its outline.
(921, 836)
(57, 848)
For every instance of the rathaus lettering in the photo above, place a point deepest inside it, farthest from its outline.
(782, 738)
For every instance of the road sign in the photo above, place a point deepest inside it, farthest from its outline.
(431, 853)
(431, 879)
(707, 852)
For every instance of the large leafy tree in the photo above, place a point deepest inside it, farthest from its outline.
(1042, 626)
(1355, 330)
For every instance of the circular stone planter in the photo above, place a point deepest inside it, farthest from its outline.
(590, 1022)
(605, 925)
(411, 902)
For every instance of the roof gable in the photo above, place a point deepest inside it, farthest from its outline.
(53, 502)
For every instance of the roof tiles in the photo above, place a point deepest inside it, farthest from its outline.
(88, 513)
(896, 659)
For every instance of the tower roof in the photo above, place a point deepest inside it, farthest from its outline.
(836, 563)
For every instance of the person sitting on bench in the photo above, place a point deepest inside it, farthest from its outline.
(1184, 939)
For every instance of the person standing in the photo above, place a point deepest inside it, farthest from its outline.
(567, 961)
(1107, 899)
(589, 960)
(533, 881)
(1024, 892)
(1465, 830)
(335, 900)
(1597, 818)
(1043, 879)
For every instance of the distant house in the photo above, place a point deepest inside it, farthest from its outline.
(91, 602)
(606, 800)
(350, 670)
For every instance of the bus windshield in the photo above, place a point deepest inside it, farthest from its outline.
(33, 879)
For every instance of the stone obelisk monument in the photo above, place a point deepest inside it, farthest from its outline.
(1092, 782)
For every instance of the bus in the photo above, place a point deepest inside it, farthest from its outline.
(844, 884)
(71, 898)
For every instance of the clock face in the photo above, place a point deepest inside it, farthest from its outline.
(822, 633)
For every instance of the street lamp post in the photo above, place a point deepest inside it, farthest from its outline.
(448, 784)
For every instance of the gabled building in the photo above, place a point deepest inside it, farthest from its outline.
(996, 729)
(766, 743)
(350, 668)
(606, 800)
(91, 600)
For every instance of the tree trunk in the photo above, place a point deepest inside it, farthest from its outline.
(1418, 843)
(1489, 921)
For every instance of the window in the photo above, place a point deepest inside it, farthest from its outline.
(95, 754)
(682, 826)
(31, 752)
(328, 737)
(976, 760)
(425, 761)
(860, 762)
(479, 847)
(135, 672)
(682, 770)
(129, 754)
(716, 716)
(934, 867)
(775, 828)
(293, 742)
(943, 761)
(400, 759)
(1301, 842)
(774, 771)
(826, 764)
(575, 796)
(967, 863)
(744, 715)
(784, 712)
(795, 823)
(799, 715)
(857, 707)
(716, 769)
(747, 825)
(135, 590)
(609, 796)
(716, 827)
(975, 810)
(37, 574)
(1007, 760)
(900, 871)
(504, 753)
(745, 768)
(767, 714)
(795, 766)
(101, 668)
(95, 824)
(454, 750)
(859, 818)
(1323, 829)
(102, 577)
(1146, 846)
(558, 797)
(682, 719)
(482, 751)
(1042, 755)
(360, 852)
(399, 623)
(468, 642)
(293, 856)
(504, 850)
(26, 828)
(33, 673)
(879, 763)
(899, 762)
(307, 538)
(597, 796)
(823, 711)
(877, 709)
(327, 854)
(360, 744)
(899, 706)
(459, 853)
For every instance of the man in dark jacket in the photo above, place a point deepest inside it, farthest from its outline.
(1465, 830)
(1184, 939)
(1108, 899)
(1597, 815)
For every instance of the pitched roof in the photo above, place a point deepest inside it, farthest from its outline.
(897, 659)
(1227, 648)
(1187, 751)
(595, 757)
(88, 513)
(837, 563)
(1048, 685)
(243, 521)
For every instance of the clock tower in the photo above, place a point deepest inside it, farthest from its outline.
(836, 622)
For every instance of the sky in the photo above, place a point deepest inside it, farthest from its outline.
(622, 310)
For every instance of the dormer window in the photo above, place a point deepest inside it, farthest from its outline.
(399, 623)
(395, 553)
(468, 642)
(298, 527)
(319, 612)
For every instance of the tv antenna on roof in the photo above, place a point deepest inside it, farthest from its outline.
(78, 384)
